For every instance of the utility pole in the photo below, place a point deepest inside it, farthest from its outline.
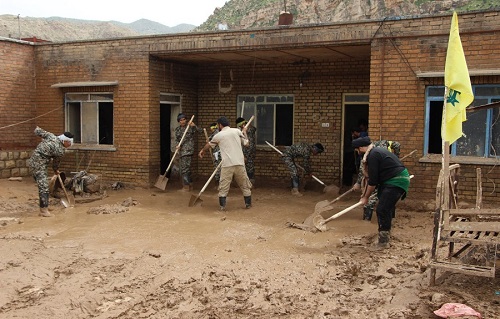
(19, 25)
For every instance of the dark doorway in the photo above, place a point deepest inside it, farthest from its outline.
(165, 138)
(353, 115)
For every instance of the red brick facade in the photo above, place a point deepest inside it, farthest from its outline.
(400, 51)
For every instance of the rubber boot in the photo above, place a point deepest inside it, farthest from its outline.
(295, 186)
(185, 184)
(367, 213)
(222, 203)
(44, 204)
(248, 201)
(383, 238)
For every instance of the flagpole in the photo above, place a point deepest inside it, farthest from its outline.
(445, 160)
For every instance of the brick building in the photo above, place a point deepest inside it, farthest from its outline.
(308, 83)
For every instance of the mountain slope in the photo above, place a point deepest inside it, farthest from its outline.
(237, 15)
(245, 14)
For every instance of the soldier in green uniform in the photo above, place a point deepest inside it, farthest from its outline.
(51, 147)
(186, 150)
(395, 148)
(296, 151)
(250, 150)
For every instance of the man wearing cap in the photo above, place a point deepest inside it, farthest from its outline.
(230, 141)
(186, 150)
(250, 150)
(51, 147)
(292, 154)
(385, 171)
(393, 147)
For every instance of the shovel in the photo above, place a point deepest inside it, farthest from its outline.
(195, 199)
(161, 181)
(325, 205)
(281, 153)
(70, 200)
(319, 222)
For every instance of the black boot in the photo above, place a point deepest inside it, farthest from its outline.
(248, 201)
(367, 213)
(222, 203)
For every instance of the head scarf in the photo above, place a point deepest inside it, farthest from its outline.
(66, 136)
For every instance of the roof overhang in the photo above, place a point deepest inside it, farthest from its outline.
(302, 55)
(440, 74)
(84, 84)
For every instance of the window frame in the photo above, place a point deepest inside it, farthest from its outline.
(253, 101)
(488, 124)
(97, 99)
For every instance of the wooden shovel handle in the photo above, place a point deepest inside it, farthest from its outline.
(210, 178)
(342, 212)
(64, 188)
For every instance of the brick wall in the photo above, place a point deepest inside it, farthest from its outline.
(397, 96)
(17, 95)
(400, 49)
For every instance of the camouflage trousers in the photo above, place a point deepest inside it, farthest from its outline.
(38, 166)
(250, 166)
(372, 200)
(216, 159)
(291, 166)
(185, 167)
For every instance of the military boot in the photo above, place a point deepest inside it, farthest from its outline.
(186, 185)
(295, 186)
(367, 213)
(44, 205)
(248, 201)
(222, 203)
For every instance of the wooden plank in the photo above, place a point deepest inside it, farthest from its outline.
(473, 212)
(464, 269)
(473, 226)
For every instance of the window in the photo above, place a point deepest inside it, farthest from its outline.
(482, 128)
(89, 116)
(269, 110)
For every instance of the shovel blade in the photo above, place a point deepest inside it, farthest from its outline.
(194, 200)
(319, 222)
(69, 201)
(161, 182)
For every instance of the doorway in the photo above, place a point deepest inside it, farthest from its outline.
(354, 111)
(170, 107)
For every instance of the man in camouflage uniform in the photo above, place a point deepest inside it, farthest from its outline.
(216, 156)
(186, 150)
(250, 150)
(51, 147)
(304, 151)
(395, 148)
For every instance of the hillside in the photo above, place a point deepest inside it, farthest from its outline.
(246, 14)
(237, 15)
(58, 29)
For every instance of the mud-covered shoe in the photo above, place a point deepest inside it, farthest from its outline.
(295, 192)
(384, 237)
(44, 212)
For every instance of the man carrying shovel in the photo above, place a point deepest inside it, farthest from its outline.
(385, 171)
(293, 153)
(186, 150)
(393, 147)
(51, 147)
(230, 141)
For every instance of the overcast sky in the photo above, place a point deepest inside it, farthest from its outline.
(167, 12)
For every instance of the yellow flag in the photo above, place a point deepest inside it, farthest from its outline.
(459, 90)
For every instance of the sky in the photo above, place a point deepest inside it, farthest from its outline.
(166, 12)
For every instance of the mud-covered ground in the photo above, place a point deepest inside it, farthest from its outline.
(144, 253)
